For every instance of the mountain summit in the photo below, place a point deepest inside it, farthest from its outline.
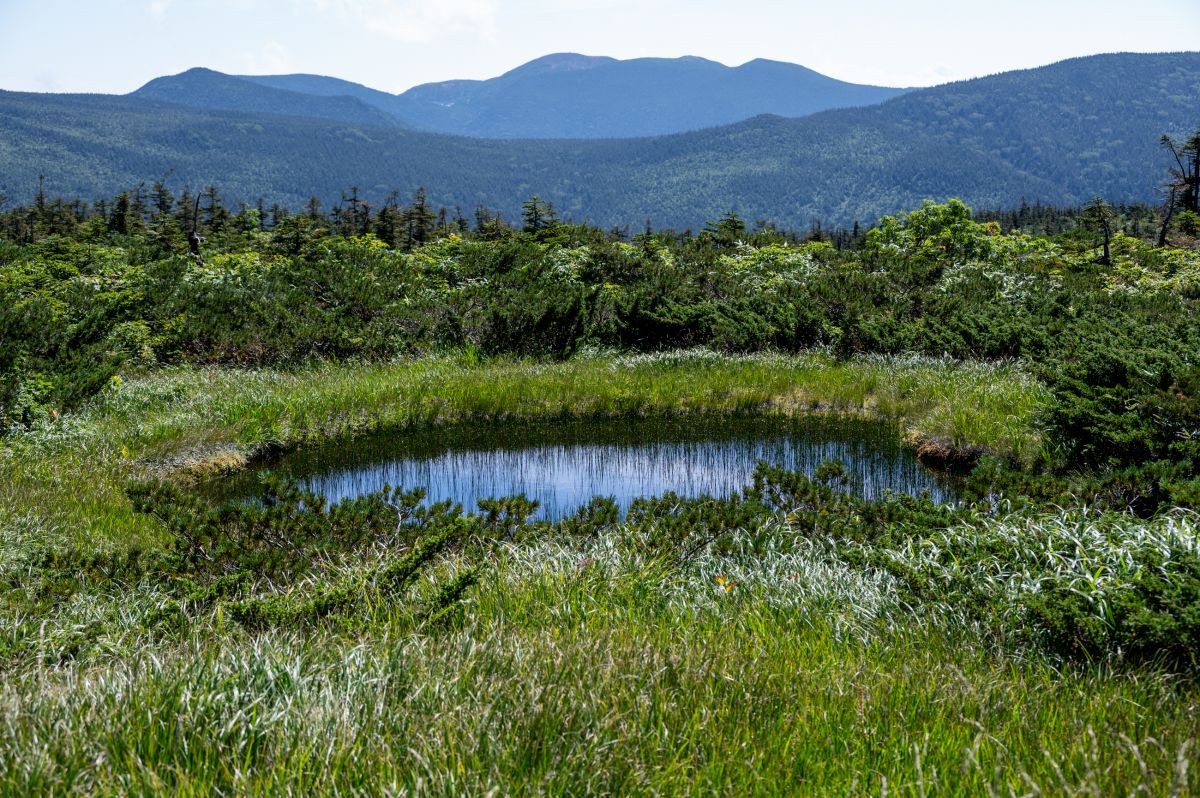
(215, 91)
(559, 62)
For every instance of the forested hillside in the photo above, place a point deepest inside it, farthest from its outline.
(1059, 134)
(213, 91)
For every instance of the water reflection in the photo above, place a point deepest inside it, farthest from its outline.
(563, 465)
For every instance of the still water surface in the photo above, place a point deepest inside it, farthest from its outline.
(563, 465)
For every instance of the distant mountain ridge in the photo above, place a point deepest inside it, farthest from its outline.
(568, 95)
(1060, 134)
(215, 91)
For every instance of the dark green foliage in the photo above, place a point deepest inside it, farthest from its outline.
(1142, 490)
(276, 562)
(501, 518)
(1123, 372)
(676, 527)
(1156, 617)
(599, 515)
(53, 576)
(821, 507)
(446, 608)
(534, 319)
(344, 595)
(282, 535)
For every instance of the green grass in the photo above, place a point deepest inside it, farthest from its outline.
(66, 479)
(969, 403)
(578, 673)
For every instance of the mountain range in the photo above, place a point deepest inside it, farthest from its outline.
(568, 95)
(1059, 134)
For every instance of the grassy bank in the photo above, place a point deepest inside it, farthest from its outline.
(67, 476)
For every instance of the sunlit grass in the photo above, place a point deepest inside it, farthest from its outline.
(981, 404)
(592, 678)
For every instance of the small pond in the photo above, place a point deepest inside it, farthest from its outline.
(563, 465)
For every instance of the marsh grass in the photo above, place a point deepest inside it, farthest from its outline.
(597, 662)
(595, 682)
(989, 405)
(69, 474)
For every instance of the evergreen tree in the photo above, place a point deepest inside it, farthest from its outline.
(418, 220)
(161, 200)
(1099, 217)
(389, 221)
(118, 220)
(538, 215)
(728, 231)
(186, 210)
(313, 210)
(216, 215)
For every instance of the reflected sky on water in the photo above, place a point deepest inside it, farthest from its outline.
(563, 465)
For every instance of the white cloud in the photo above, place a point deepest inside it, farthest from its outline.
(415, 21)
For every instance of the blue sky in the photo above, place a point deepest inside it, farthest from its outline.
(116, 45)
